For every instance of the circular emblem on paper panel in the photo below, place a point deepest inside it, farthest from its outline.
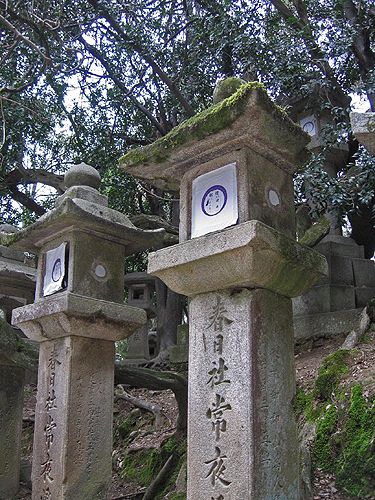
(56, 270)
(214, 200)
(309, 127)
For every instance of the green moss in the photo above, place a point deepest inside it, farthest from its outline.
(304, 404)
(127, 426)
(355, 466)
(225, 88)
(316, 232)
(208, 122)
(141, 467)
(323, 455)
(333, 368)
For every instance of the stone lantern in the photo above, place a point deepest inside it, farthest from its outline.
(141, 289)
(17, 286)
(77, 316)
(17, 277)
(363, 126)
(238, 262)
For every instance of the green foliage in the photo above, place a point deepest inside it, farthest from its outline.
(333, 368)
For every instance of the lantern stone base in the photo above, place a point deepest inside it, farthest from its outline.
(67, 314)
(242, 441)
(249, 255)
(73, 422)
(11, 405)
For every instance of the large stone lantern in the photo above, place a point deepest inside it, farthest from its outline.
(238, 262)
(77, 316)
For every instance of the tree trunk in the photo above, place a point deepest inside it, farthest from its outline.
(156, 381)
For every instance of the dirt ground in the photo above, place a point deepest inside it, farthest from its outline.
(308, 359)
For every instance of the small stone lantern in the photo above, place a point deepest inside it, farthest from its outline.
(77, 316)
(17, 287)
(363, 126)
(141, 289)
(240, 265)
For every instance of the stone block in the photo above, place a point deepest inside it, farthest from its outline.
(66, 314)
(11, 406)
(193, 267)
(340, 245)
(325, 298)
(327, 324)
(242, 440)
(138, 349)
(340, 270)
(75, 375)
(363, 295)
(364, 272)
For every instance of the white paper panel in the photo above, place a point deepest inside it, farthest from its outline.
(54, 270)
(214, 201)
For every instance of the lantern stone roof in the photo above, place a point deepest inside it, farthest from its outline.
(246, 118)
(15, 269)
(82, 207)
(139, 278)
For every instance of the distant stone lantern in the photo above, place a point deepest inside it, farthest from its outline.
(17, 277)
(141, 290)
(77, 316)
(308, 113)
(238, 262)
(17, 287)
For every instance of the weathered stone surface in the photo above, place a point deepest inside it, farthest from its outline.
(179, 353)
(325, 298)
(363, 295)
(138, 350)
(363, 126)
(11, 406)
(86, 216)
(73, 437)
(326, 324)
(247, 118)
(192, 267)
(316, 232)
(256, 175)
(364, 272)
(66, 314)
(340, 245)
(241, 434)
(14, 351)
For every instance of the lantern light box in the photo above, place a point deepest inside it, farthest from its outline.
(214, 200)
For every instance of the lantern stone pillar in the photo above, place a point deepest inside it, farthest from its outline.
(240, 265)
(17, 285)
(141, 288)
(77, 316)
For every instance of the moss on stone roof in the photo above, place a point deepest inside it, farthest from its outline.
(208, 122)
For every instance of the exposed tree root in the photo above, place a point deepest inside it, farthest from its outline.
(120, 393)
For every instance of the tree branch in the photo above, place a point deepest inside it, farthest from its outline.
(141, 51)
(95, 53)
